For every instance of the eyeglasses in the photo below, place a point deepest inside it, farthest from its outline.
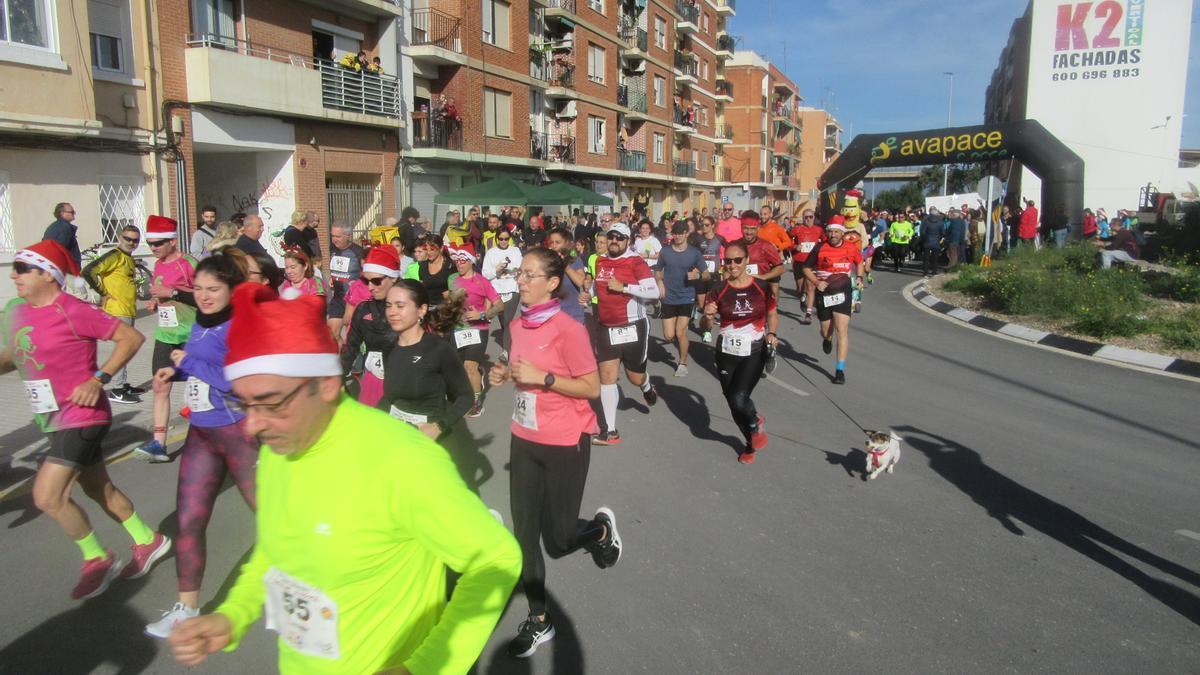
(529, 276)
(617, 237)
(503, 238)
(269, 409)
(374, 282)
(156, 244)
(23, 267)
(808, 217)
(132, 240)
(733, 261)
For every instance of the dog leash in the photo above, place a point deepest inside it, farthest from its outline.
(827, 397)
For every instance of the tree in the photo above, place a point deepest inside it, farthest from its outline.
(963, 178)
(910, 194)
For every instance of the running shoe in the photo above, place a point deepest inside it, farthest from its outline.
(476, 409)
(747, 457)
(870, 278)
(681, 370)
(607, 552)
(152, 451)
(95, 577)
(839, 377)
(123, 395)
(650, 396)
(857, 307)
(533, 632)
(807, 318)
(145, 555)
(771, 360)
(758, 440)
(136, 391)
(827, 345)
(707, 337)
(607, 438)
(172, 617)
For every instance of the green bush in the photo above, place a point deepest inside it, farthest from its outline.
(1183, 287)
(1183, 331)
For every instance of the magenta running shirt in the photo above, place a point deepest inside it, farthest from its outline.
(310, 286)
(357, 292)
(54, 350)
(560, 346)
(479, 291)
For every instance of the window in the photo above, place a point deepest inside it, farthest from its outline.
(596, 5)
(703, 116)
(704, 21)
(495, 23)
(696, 157)
(660, 32)
(26, 22)
(660, 145)
(7, 243)
(703, 69)
(596, 64)
(110, 35)
(214, 20)
(660, 88)
(122, 202)
(497, 113)
(596, 135)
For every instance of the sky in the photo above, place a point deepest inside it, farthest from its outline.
(890, 79)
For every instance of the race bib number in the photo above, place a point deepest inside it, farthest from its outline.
(408, 417)
(506, 296)
(807, 246)
(525, 409)
(466, 338)
(40, 395)
(167, 318)
(710, 265)
(340, 264)
(302, 615)
(833, 300)
(752, 269)
(196, 393)
(623, 335)
(735, 345)
(374, 364)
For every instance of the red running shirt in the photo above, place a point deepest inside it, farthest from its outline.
(619, 309)
(828, 260)
(743, 311)
(805, 238)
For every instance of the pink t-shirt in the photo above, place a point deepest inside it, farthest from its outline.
(560, 346)
(479, 291)
(180, 274)
(357, 292)
(310, 286)
(54, 349)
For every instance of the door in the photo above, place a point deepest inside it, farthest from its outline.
(423, 188)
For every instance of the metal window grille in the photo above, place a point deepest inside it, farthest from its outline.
(7, 240)
(122, 202)
(360, 206)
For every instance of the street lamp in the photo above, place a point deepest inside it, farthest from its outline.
(949, 108)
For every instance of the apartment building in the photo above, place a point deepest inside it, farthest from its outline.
(619, 96)
(268, 115)
(820, 144)
(766, 147)
(75, 120)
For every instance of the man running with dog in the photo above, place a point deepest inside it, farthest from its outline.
(830, 269)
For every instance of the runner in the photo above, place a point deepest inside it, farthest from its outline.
(499, 267)
(900, 235)
(171, 297)
(729, 227)
(623, 284)
(112, 276)
(434, 271)
(764, 260)
(678, 266)
(482, 303)
(216, 442)
(829, 268)
(359, 516)
(710, 250)
(300, 275)
(345, 265)
(50, 336)
(369, 333)
(555, 376)
(806, 236)
(560, 241)
(770, 230)
(746, 309)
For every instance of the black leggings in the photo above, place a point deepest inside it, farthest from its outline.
(545, 493)
(739, 375)
(930, 255)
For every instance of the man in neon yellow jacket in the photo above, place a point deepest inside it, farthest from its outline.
(113, 277)
(359, 515)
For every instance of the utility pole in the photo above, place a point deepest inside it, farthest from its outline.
(949, 109)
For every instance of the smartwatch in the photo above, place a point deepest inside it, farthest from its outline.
(549, 380)
(104, 377)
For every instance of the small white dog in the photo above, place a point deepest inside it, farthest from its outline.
(883, 451)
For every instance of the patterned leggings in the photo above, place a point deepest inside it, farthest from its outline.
(207, 454)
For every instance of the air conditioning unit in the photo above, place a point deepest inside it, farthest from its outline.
(565, 109)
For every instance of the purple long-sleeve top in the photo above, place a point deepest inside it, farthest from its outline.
(205, 361)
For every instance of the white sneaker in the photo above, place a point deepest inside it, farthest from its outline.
(681, 371)
(170, 618)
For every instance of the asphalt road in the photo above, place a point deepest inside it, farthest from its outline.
(1044, 517)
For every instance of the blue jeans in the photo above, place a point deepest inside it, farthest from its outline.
(1060, 237)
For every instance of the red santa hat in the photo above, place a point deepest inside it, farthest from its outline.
(161, 227)
(854, 192)
(50, 257)
(383, 259)
(271, 336)
(836, 223)
(464, 252)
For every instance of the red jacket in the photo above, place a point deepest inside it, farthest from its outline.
(1028, 227)
(1089, 225)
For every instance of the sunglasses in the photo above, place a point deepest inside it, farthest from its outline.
(374, 282)
(23, 267)
(503, 238)
(733, 261)
(156, 244)
(617, 237)
(132, 240)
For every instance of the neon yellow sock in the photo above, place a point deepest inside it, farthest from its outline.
(90, 546)
(141, 533)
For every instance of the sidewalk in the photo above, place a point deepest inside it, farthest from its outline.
(22, 444)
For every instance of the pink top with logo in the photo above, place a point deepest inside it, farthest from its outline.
(310, 286)
(479, 291)
(55, 346)
(357, 292)
(560, 346)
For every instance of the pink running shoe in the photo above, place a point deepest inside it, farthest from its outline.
(145, 555)
(97, 574)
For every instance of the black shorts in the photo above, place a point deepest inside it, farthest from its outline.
(633, 355)
(476, 353)
(162, 356)
(77, 448)
(825, 313)
(674, 311)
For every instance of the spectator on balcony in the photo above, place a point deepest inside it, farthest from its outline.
(376, 66)
(352, 61)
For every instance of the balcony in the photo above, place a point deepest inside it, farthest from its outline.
(539, 146)
(727, 8)
(562, 81)
(435, 131)
(562, 148)
(686, 70)
(689, 12)
(631, 160)
(560, 9)
(724, 133)
(435, 38)
(636, 42)
(239, 75)
(685, 120)
(725, 46)
(724, 89)
(685, 169)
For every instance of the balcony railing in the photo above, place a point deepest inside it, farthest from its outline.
(562, 148)
(432, 130)
(686, 64)
(634, 37)
(568, 5)
(623, 95)
(562, 74)
(685, 169)
(685, 117)
(724, 131)
(637, 101)
(724, 88)
(689, 10)
(725, 175)
(631, 160)
(431, 27)
(731, 4)
(725, 43)
(539, 145)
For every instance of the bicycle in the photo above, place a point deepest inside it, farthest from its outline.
(141, 275)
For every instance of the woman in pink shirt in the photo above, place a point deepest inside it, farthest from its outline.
(299, 275)
(555, 374)
(482, 303)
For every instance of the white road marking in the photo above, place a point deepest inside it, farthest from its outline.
(795, 390)
(1189, 534)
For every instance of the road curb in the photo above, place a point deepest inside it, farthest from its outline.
(916, 293)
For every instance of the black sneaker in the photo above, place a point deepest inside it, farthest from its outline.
(607, 438)
(123, 395)
(827, 345)
(136, 391)
(839, 377)
(476, 409)
(533, 632)
(650, 396)
(771, 362)
(608, 552)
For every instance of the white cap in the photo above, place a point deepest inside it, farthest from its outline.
(619, 228)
